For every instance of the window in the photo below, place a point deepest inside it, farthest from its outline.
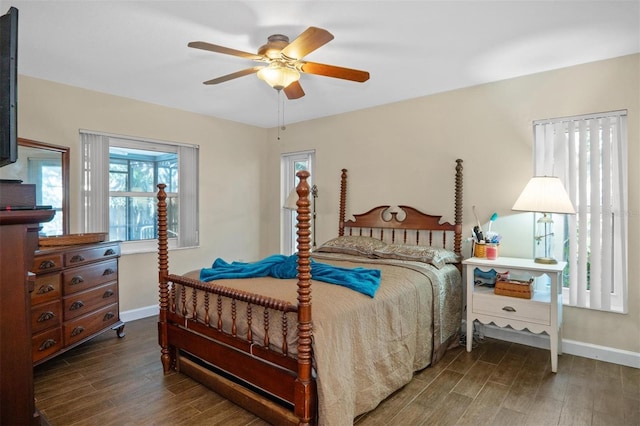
(291, 164)
(120, 177)
(133, 179)
(589, 154)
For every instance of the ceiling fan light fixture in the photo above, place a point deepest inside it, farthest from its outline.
(278, 75)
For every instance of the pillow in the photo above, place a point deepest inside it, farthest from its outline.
(438, 257)
(352, 244)
(447, 256)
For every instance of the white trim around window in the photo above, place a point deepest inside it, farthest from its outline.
(95, 187)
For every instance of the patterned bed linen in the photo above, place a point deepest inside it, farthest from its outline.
(446, 282)
(364, 348)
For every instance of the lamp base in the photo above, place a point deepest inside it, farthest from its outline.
(545, 260)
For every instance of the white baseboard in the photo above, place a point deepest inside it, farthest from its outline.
(139, 313)
(571, 347)
(603, 353)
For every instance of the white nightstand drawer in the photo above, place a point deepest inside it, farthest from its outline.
(512, 308)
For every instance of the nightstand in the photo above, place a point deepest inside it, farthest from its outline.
(541, 313)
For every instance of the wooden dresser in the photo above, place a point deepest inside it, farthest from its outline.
(75, 297)
(18, 241)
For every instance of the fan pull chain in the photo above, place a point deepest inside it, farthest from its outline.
(280, 123)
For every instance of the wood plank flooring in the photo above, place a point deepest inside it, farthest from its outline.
(112, 381)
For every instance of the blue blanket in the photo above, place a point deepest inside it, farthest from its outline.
(363, 280)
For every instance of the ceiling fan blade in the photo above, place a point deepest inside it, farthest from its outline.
(311, 39)
(227, 51)
(294, 90)
(334, 71)
(236, 74)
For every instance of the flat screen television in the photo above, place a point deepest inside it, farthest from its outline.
(9, 87)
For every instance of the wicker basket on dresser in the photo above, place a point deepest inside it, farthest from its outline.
(75, 297)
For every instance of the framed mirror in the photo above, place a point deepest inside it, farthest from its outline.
(46, 166)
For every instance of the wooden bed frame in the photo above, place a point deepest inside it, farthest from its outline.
(273, 384)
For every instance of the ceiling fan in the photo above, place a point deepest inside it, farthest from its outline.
(284, 61)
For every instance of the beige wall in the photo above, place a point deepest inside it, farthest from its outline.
(401, 153)
(232, 158)
(404, 153)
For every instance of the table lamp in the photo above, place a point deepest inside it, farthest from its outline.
(546, 195)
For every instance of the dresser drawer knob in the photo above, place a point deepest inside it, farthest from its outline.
(77, 258)
(107, 294)
(508, 309)
(45, 289)
(47, 264)
(77, 280)
(47, 344)
(76, 305)
(108, 316)
(110, 252)
(79, 329)
(46, 316)
(109, 271)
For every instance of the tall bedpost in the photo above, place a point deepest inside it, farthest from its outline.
(343, 202)
(305, 397)
(163, 271)
(457, 242)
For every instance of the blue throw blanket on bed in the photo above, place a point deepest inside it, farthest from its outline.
(364, 280)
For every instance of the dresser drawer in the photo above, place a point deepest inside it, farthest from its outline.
(85, 326)
(45, 316)
(512, 308)
(85, 255)
(85, 277)
(84, 302)
(74, 296)
(46, 343)
(47, 262)
(47, 287)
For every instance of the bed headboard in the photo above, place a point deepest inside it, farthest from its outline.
(406, 225)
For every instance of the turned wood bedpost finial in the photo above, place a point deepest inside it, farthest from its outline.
(304, 388)
(457, 243)
(343, 202)
(163, 271)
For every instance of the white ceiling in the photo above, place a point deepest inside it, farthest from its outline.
(138, 49)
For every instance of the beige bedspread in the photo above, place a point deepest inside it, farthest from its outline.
(366, 348)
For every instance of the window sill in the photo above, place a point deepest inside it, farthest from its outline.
(148, 246)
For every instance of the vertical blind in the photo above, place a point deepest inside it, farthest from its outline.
(589, 155)
(188, 196)
(95, 182)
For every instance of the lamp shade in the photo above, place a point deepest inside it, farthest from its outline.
(544, 194)
(291, 201)
(278, 75)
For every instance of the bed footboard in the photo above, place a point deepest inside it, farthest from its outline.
(234, 330)
(254, 350)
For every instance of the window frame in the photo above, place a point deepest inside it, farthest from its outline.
(288, 182)
(127, 158)
(95, 189)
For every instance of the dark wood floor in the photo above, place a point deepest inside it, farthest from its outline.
(111, 381)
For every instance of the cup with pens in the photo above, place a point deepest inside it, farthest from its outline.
(485, 245)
